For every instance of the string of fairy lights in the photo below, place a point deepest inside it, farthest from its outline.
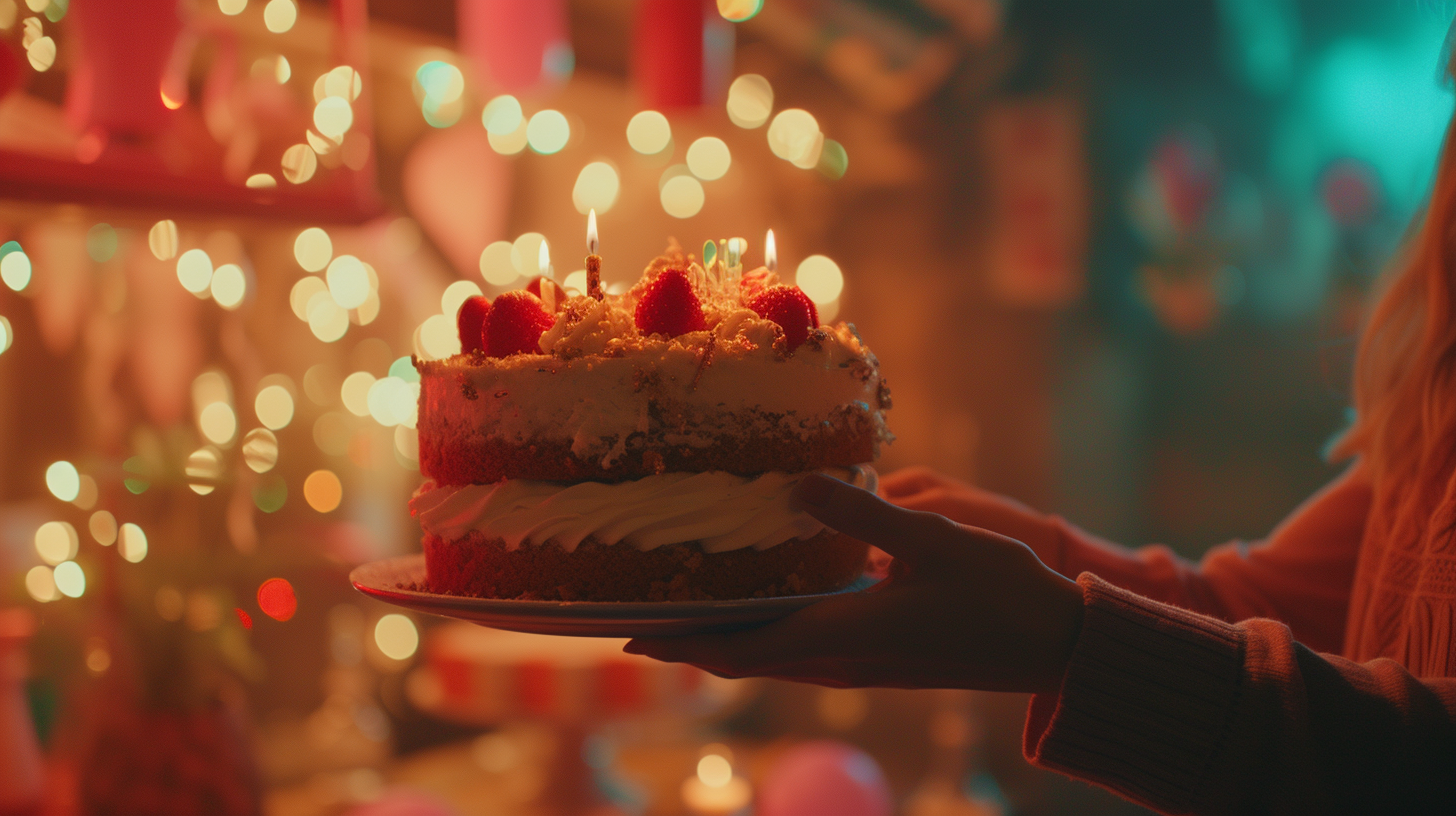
(337, 291)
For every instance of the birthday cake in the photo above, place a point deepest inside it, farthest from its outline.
(643, 446)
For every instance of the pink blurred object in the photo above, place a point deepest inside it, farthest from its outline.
(824, 778)
(404, 802)
(515, 47)
(458, 188)
(668, 52)
(125, 51)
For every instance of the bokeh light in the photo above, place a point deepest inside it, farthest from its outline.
(750, 101)
(203, 470)
(596, 188)
(7, 334)
(42, 53)
(342, 81)
(331, 431)
(56, 541)
(218, 423)
(502, 115)
(833, 160)
(63, 480)
(794, 137)
(509, 144)
(355, 392)
(194, 270)
(274, 407)
(234, 7)
(326, 319)
(714, 770)
(260, 450)
(101, 242)
(396, 636)
(277, 599)
(456, 294)
(40, 582)
(70, 579)
(439, 87)
(737, 11)
(820, 278)
(348, 281)
(682, 196)
(438, 338)
(302, 294)
(649, 132)
(103, 527)
(333, 117)
(15, 268)
(393, 401)
(280, 15)
(313, 249)
(162, 239)
(299, 163)
(708, 158)
(261, 181)
(575, 282)
(496, 266)
(548, 132)
(323, 491)
(229, 286)
(88, 493)
(270, 493)
(526, 254)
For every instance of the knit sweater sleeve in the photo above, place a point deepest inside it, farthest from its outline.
(1300, 574)
(1184, 713)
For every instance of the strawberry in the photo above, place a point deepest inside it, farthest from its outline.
(789, 307)
(670, 306)
(554, 297)
(517, 320)
(755, 282)
(470, 322)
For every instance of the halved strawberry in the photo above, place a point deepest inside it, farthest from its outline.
(470, 322)
(517, 321)
(789, 307)
(670, 306)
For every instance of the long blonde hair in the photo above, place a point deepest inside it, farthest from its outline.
(1405, 371)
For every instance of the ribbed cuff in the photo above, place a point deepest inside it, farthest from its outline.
(1146, 701)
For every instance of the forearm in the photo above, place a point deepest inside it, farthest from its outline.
(1187, 714)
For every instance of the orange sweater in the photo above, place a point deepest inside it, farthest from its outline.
(1198, 688)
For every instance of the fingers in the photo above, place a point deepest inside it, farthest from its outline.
(911, 480)
(860, 514)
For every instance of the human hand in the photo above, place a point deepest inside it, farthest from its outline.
(964, 608)
(921, 488)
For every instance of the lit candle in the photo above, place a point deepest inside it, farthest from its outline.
(770, 253)
(593, 260)
(715, 790)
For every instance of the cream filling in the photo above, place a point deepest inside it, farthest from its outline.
(720, 510)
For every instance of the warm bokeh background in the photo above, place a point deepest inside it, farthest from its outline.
(1112, 256)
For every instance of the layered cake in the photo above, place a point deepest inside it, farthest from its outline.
(643, 446)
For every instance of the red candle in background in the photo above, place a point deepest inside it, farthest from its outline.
(515, 46)
(123, 49)
(668, 52)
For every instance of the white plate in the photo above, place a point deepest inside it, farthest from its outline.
(387, 580)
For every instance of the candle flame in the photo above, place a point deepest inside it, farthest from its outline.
(543, 259)
(169, 102)
(770, 253)
(591, 232)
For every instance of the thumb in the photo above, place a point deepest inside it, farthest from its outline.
(910, 536)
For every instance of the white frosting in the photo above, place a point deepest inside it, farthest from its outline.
(720, 510)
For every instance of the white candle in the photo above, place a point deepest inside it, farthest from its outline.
(770, 253)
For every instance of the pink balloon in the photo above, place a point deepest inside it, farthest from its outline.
(458, 188)
(825, 778)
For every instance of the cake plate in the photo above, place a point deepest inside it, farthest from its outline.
(393, 580)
